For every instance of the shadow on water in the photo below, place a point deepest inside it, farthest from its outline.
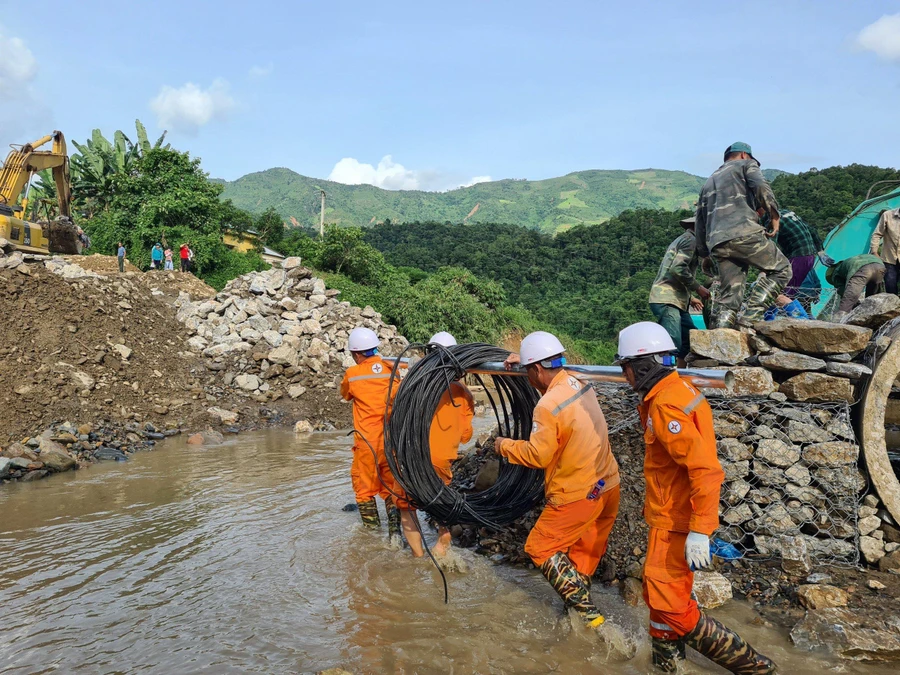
(238, 558)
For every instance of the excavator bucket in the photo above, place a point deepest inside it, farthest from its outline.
(62, 236)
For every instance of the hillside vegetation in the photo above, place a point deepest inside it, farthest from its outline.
(552, 205)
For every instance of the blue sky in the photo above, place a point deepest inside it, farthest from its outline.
(454, 91)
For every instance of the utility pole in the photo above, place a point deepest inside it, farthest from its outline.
(322, 217)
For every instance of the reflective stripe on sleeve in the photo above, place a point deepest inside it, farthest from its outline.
(569, 401)
(689, 408)
(660, 626)
(380, 376)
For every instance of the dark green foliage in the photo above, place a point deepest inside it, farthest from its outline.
(270, 227)
(824, 198)
(589, 282)
(555, 204)
(165, 197)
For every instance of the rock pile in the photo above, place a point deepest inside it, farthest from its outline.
(279, 332)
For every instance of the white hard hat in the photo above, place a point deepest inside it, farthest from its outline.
(443, 338)
(539, 346)
(362, 340)
(642, 339)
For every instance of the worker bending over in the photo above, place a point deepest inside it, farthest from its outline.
(728, 229)
(852, 277)
(683, 480)
(366, 384)
(670, 295)
(569, 441)
(451, 426)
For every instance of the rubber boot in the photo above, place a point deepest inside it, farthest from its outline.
(569, 583)
(760, 297)
(723, 646)
(393, 521)
(725, 318)
(666, 655)
(368, 512)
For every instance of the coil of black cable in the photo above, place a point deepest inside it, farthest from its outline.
(517, 489)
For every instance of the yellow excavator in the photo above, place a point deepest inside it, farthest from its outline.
(52, 236)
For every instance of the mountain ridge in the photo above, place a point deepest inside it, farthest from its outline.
(586, 197)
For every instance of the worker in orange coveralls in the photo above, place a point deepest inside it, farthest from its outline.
(569, 441)
(683, 480)
(367, 384)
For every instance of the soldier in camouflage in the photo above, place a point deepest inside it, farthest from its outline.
(728, 230)
(670, 295)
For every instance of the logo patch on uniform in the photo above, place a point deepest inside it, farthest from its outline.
(377, 368)
(534, 427)
(574, 383)
(675, 427)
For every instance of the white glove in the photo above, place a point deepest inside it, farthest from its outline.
(696, 551)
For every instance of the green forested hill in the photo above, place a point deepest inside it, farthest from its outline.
(555, 204)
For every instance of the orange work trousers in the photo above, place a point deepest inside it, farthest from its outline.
(580, 529)
(668, 582)
(370, 478)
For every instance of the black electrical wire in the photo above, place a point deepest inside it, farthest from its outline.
(517, 489)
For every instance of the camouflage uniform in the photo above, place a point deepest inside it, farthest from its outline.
(670, 295)
(728, 229)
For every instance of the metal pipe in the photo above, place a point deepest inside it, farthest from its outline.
(707, 379)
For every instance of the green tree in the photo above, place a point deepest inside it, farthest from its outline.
(270, 227)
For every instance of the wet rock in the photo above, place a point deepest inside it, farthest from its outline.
(222, 415)
(487, 475)
(821, 596)
(711, 589)
(722, 344)
(33, 475)
(752, 381)
(832, 453)
(848, 635)
(303, 427)
(814, 337)
(5, 466)
(791, 361)
(55, 457)
(110, 454)
(795, 558)
(890, 562)
(816, 387)
(874, 311)
(632, 592)
(207, 437)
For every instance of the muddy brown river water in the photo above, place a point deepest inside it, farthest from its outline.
(238, 559)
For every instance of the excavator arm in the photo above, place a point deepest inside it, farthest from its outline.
(22, 163)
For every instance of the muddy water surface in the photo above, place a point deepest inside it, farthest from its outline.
(238, 559)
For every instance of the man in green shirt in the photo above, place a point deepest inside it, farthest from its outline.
(851, 277)
(670, 295)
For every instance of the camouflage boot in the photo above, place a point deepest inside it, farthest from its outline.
(723, 646)
(759, 299)
(368, 512)
(569, 583)
(666, 655)
(725, 318)
(393, 520)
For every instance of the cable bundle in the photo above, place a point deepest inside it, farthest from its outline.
(517, 489)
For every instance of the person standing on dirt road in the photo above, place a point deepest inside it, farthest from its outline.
(120, 254)
(683, 480)
(729, 231)
(569, 441)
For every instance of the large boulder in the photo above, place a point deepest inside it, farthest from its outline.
(54, 456)
(711, 589)
(722, 344)
(285, 355)
(821, 596)
(818, 388)
(815, 337)
(848, 635)
(782, 360)
(874, 311)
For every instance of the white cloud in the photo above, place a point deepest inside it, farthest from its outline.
(258, 72)
(390, 175)
(22, 113)
(882, 37)
(189, 107)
